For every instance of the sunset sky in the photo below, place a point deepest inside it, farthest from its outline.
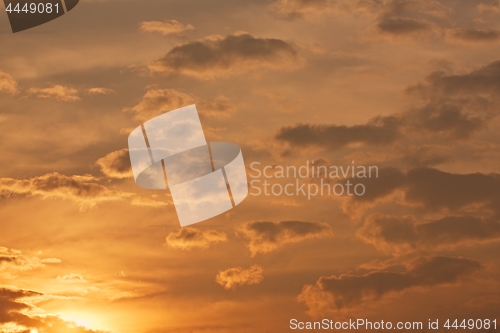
(409, 86)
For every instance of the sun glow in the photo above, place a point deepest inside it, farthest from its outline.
(81, 319)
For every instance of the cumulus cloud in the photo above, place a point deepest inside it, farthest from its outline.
(116, 164)
(170, 27)
(100, 91)
(7, 83)
(217, 56)
(191, 238)
(237, 276)
(84, 190)
(57, 91)
(267, 236)
(404, 234)
(13, 261)
(348, 290)
(158, 101)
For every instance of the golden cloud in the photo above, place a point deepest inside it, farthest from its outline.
(237, 276)
(7, 83)
(170, 27)
(100, 91)
(84, 190)
(158, 101)
(19, 313)
(13, 261)
(57, 91)
(191, 238)
(116, 164)
(147, 202)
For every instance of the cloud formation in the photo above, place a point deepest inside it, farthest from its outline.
(19, 313)
(411, 18)
(221, 106)
(474, 35)
(7, 83)
(453, 106)
(100, 91)
(348, 290)
(170, 27)
(71, 278)
(237, 276)
(116, 164)
(158, 101)
(378, 131)
(433, 190)
(299, 8)
(264, 236)
(13, 261)
(217, 56)
(402, 26)
(57, 91)
(394, 234)
(84, 190)
(191, 238)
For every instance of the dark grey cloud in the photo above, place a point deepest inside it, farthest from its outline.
(436, 190)
(405, 234)
(348, 290)
(474, 35)
(265, 236)
(485, 79)
(454, 106)
(218, 56)
(382, 130)
(402, 26)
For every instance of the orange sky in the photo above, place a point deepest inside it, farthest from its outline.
(412, 87)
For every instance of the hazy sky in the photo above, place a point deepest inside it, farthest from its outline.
(412, 87)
